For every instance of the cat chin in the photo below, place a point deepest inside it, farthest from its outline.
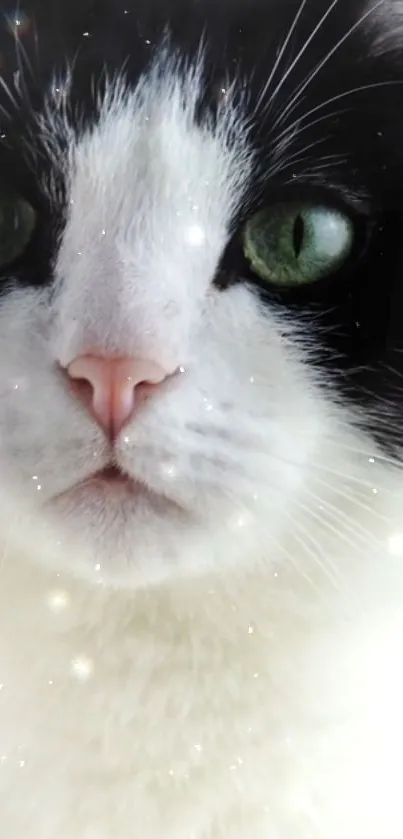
(111, 537)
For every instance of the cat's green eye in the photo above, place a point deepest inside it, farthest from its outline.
(17, 223)
(292, 245)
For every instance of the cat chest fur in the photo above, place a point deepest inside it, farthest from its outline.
(143, 716)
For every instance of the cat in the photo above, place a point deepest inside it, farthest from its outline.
(201, 488)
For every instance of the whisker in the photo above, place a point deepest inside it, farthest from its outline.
(317, 554)
(336, 47)
(281, 53)
(298, 566)
(378, 457)
(348, 496)
(299, 129)
(354, 90)
(293, 158)
(303, 49)
(338, 515)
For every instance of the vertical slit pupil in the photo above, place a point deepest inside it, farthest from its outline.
(298, 235)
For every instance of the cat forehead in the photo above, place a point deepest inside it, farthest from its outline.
(151, 135)
(147, 172)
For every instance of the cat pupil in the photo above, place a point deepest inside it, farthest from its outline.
(298, 235)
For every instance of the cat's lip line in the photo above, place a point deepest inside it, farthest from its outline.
(110, 475)
(112, 472)
(113, 476)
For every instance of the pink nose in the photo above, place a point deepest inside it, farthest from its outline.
(110, 387)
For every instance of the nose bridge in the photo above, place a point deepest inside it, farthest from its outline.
(121, 311)
(115, 292)
(111, 396)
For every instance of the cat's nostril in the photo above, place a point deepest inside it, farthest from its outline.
(81, 388)
(111, 388)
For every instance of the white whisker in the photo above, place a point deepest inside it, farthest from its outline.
(340, 43)
(331, 52)
(303, 49)
(281, 53)
(294, 158)
(299, 567)
(330, 101)
(339, 517)
(349, 496)
(367, 453)
(316, 552)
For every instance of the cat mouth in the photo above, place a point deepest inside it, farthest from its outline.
(111, 483)
(115, 477)
(112, 479)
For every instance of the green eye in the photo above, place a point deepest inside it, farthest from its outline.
(17, 223)
(297, 244)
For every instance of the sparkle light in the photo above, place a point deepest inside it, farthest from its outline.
(195, 235)
(19, 24)
(82, 668)
(207, 405)
(239, 521)
(395, 544)
(168, 470)
(58, 601)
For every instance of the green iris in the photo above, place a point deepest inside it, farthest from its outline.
(297, 244)
(17, 223)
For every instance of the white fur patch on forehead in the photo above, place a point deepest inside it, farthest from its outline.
(152, 194)
(147, 151)
(128, 117)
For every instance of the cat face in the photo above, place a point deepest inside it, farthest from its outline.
(214, 195)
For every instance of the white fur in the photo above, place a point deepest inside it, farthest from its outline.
(235, 672)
